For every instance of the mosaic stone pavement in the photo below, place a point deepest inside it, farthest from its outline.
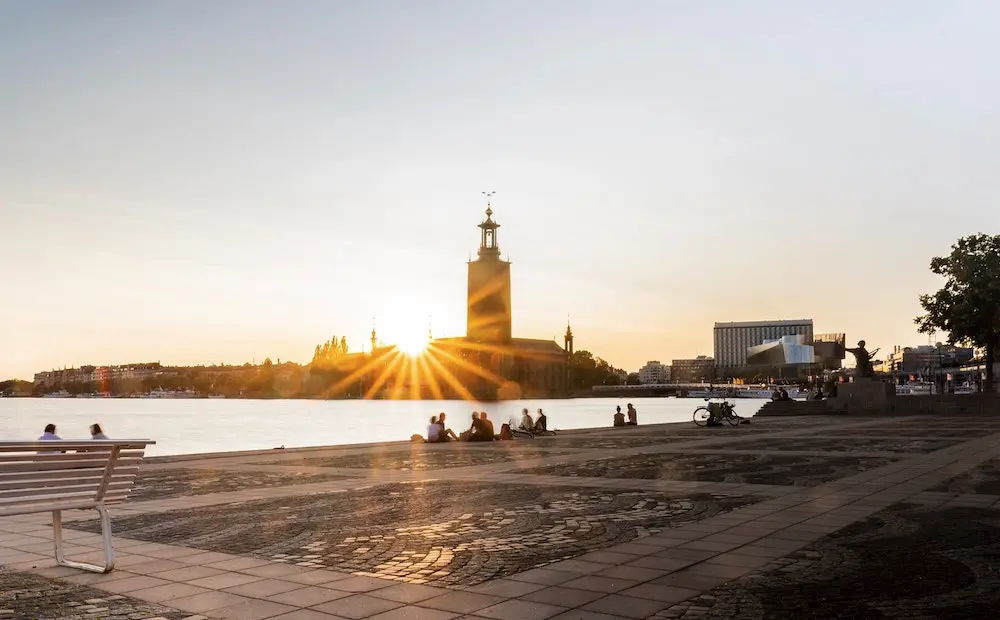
(907, 562)
(984, 479)
(161, 484)
(441, 533)
(24, 596)
(721, 467)
(819, 517)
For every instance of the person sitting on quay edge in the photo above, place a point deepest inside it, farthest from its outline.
(481, 430)
(49, 434)
(487, 426)
(541, 422)
(784, 394)
(775, 395)
(633, 416)
(619, 417)
(527, 424)
(433, 430)
(96, 432)
(445, 433)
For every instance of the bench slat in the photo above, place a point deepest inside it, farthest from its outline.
(81, 455)
(94, 479)
(41, 465)
(62, 473)
(54, 499)
(27, 510)
(73, 444)
(12, 497)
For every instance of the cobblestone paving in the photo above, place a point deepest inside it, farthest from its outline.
(24, 596)
(439, 533)
(901, 445)
(910, 431)
(742, 468)
(983, 480)
(423, 457)
(610, 443)
(907, 562)
(162, 484)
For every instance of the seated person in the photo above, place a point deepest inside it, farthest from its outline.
(775, 395)
(445, 433)
(481, 430)
(526, 422)
(633, 416)
(487, 425)
(541, 423)
(96, 432)
(619, 417)
(433, 430)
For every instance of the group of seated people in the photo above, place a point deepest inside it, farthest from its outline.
(482, 428)
(633, 416)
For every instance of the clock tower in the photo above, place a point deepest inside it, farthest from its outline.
(489, 304)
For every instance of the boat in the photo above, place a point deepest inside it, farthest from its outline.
(59, 394)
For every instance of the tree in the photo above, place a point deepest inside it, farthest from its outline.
(968, 305)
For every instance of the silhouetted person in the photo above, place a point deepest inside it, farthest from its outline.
(488, 424)
(96, 432)
(446, 433)
(541, 422)
(784, 394)
(49, 434)
(633, 415)
(619, 417)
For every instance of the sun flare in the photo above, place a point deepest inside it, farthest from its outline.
(413, 345)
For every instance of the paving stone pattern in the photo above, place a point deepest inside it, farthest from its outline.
(439, 533)
(901, 445)
(907, 562)
(982, 480)
(736, 468)
(162, 484)
(24, 596)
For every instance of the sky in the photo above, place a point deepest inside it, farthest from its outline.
(205, 182)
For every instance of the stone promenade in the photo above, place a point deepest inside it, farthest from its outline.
(784, 518)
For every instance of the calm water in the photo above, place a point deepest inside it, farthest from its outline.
(184, 426)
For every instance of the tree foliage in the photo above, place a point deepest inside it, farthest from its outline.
(967, 307)
(325, 354)
(587, 371)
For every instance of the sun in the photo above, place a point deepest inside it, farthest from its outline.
(413, 345)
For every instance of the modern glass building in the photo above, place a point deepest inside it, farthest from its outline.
(733, 340)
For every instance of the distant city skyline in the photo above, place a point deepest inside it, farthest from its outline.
(201, 183)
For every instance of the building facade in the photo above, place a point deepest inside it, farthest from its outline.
(927, 358)
(697, 370)
(654, 372)
(489, 313)
(733, 340)
(784, 351)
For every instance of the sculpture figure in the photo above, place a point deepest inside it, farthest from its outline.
(863, 360)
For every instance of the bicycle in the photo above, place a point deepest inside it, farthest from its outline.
(727, 414)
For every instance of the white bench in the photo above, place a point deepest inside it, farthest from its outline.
(52, 476)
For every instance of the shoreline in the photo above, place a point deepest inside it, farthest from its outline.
(194, 456)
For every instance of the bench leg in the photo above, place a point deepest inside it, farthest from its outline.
(109, 551)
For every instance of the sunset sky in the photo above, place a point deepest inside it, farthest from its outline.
(202, 182)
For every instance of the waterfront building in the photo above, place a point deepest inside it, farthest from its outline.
(699, 369)
(927, 358)
(654, 372)
(733, 340)
(784, 351)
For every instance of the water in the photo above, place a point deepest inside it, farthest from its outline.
(190, 426)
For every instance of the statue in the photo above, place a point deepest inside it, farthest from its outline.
(863, 360)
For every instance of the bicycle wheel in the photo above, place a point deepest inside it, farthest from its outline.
(701, 416)
(733, 419)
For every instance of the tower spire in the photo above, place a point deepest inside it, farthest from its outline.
(374, 336)
(488, 247)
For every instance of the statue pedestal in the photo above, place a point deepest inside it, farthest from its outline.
(864, 395)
